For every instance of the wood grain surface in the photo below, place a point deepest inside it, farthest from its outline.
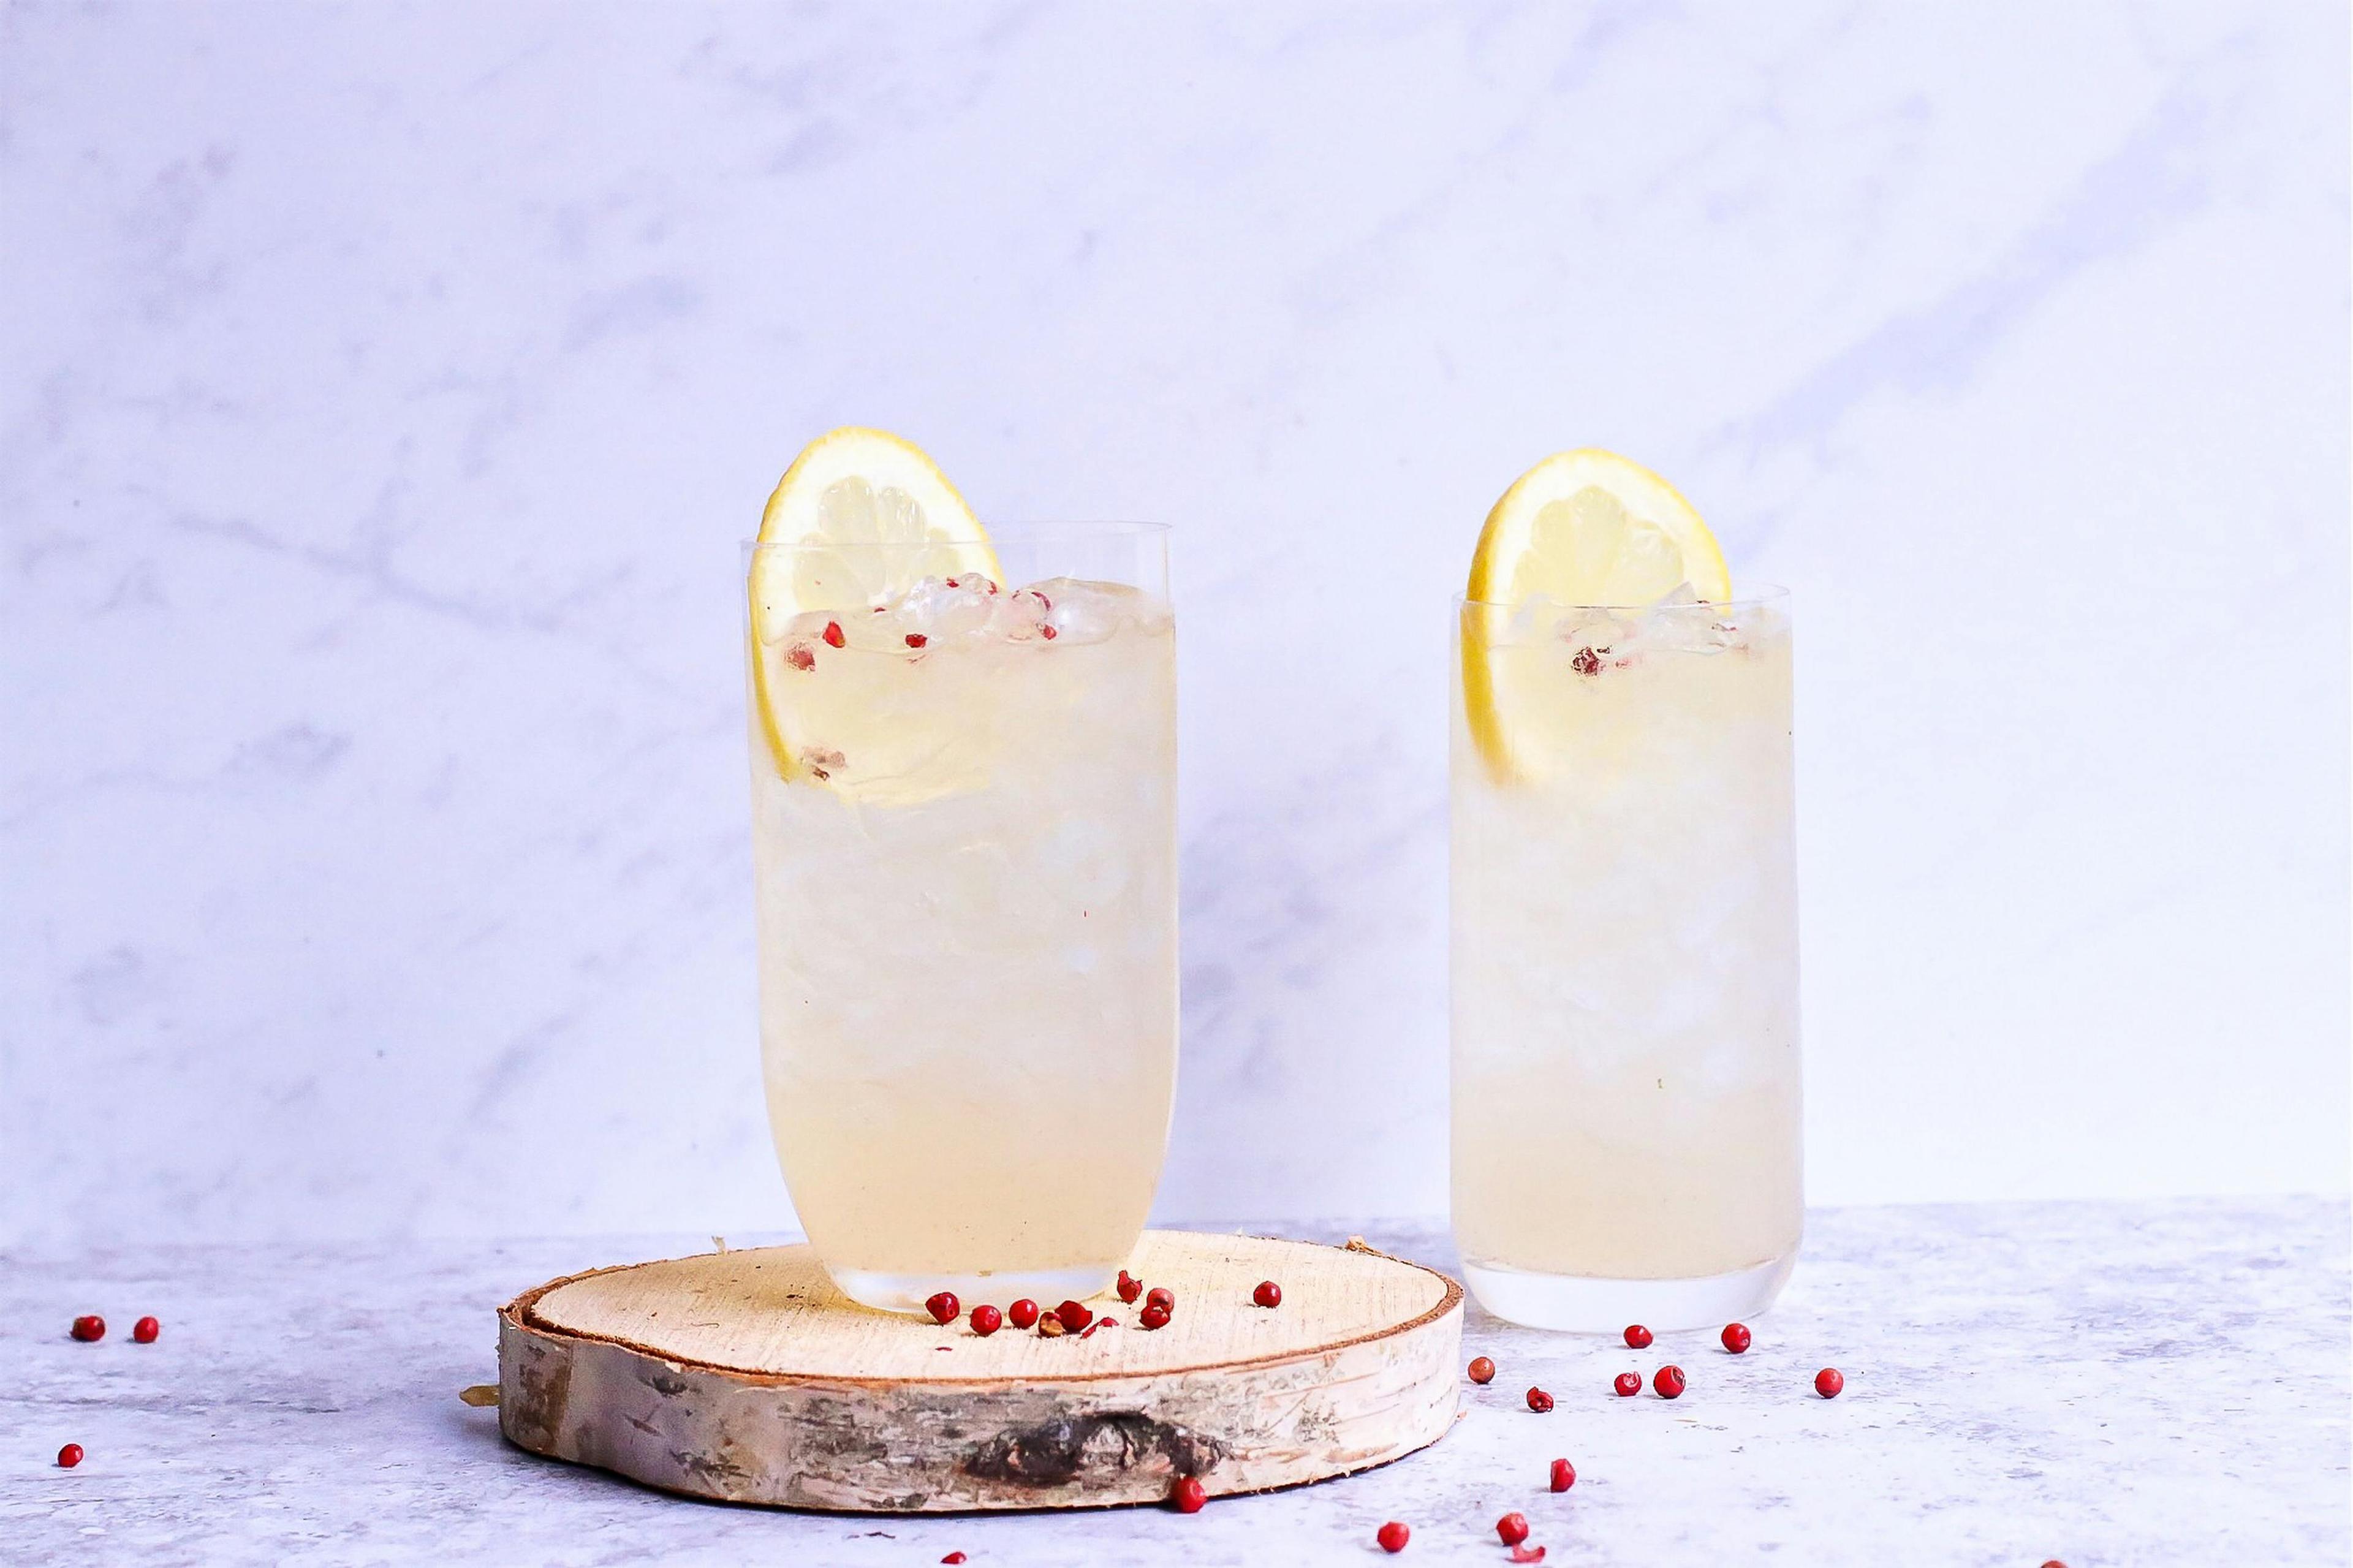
(745, 1375)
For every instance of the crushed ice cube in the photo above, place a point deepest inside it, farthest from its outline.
(1592, 630)
(1532, 619)
(1018, 615)
(1084, 612)
(935, 608)
(1680, 621)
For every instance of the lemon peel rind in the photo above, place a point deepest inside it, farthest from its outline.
(807, 470)
(1557, 476)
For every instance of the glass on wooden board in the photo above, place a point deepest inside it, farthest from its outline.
(963, 837)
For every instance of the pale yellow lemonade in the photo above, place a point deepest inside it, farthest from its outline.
(965, 863)
(1626, 1090)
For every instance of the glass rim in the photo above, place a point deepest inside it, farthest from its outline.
(1041, 529)
(1746, 596)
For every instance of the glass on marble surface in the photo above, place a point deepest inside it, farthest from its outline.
(1627, 1142)
(964, 833)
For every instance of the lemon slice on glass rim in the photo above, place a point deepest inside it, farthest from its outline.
(867, 515)
(1582, 528)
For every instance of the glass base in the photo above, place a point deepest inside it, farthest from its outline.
(908, 1292)
(1580, 1304)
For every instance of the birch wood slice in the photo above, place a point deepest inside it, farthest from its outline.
(746, 1376)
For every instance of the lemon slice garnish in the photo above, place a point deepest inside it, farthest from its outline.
(1583, 528)
(869, 516)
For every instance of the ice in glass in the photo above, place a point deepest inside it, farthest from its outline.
(1626, 1111)
(963, 831)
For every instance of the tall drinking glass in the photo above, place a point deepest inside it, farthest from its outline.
(964, 836)
(1626, 1115)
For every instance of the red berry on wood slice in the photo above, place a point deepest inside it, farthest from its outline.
(1022, 1314)
(986, 1320)
(1130, 1287)
(1162, 1296)
(1564, 1475)
(1268, 1294)
(1188, 1494)
(1539, 1401)
(1637, 1337)
(1511, 1529)
(916, 639)
(953, 1556)
(1735, 1338)
(1074, 1316)
(1049, 1325)
(145, 1330)
(1829, 1382)
(1154, 1317)
(1669, 1381)
(69, 1456)
(89, 1328)
(1629, 1385)
(1393, 1536)
(1482, 1371)
(833, 637)
(944, 1308)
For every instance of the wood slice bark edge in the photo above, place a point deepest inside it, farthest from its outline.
(905, 1446)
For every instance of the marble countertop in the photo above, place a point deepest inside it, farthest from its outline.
(2099, 1382)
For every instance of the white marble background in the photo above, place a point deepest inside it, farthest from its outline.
(385, 389)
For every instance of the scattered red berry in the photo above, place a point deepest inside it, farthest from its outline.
(1527, 1553)
(953, 1556)
(1512, 1528)
(1637, 1337)
(1074, 1316)
(952, 582)
(145, 1330)
(1154, 1317)
(1048, 632)
(1669, 1381)
(2055, 1563)
(1629, 1385)
(89, 1328)
(986, 1320)
(69, 1456)
(1162, 1296)
(1482, 1371)
(1130, 1287)
(1188, 1494)
(1564, 1475)
(1393, 1536)
(1022, 1314)
(1049, 1326)
(1268, 1294)
(916, 639)
(944, 1308)
(1539, 1401)
(1828, 1382)
(833, 637)
(1735, 1337)
(1586, 662)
